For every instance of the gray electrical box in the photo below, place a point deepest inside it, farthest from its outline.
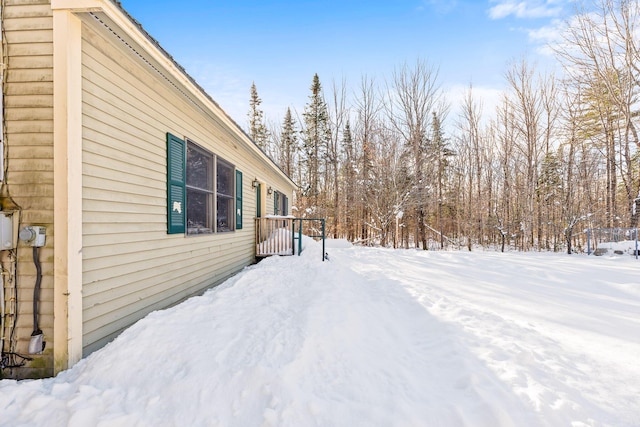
(7, 234)
(33, 235)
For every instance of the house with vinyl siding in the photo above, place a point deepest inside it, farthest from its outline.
(137, 188)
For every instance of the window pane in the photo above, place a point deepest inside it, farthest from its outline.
(225, 187)
(224, 176)
(199, 168)
(225, 214)
(199, 190)
(198, 212)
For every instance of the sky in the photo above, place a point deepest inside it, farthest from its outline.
(279, 45)
(371, 337)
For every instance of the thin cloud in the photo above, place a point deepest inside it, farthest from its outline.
(548, 36)
(526, 8)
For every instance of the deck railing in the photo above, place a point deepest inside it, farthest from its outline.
(277, 235)
(315, 229)
(274, 236)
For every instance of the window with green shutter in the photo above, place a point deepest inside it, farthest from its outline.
(176, 177)
(202, 190)
(238, 200)
(276, 203)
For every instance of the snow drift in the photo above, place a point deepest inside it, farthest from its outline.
(373, 337)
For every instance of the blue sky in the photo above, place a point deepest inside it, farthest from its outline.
(228, 44)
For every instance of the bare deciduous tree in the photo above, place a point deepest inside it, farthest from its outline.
(413, 94)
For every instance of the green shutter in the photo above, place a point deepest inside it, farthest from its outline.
(176, 188)
(238, 200)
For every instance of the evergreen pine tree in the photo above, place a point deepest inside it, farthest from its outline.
(257, 128)
(315, 137)
(349, 172)
(288, 143)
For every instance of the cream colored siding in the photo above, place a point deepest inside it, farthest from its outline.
(28, 103)
(131, 266)
(113, 252)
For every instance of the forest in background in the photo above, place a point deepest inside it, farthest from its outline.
(557, 156)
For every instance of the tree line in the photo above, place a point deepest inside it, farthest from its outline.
(557, 156)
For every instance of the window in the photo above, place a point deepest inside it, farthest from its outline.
(280, 204)
(199, 190)
(224, 196)
(238, 200)
(204, 192)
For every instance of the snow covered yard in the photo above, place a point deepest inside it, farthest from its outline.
(374, 337)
